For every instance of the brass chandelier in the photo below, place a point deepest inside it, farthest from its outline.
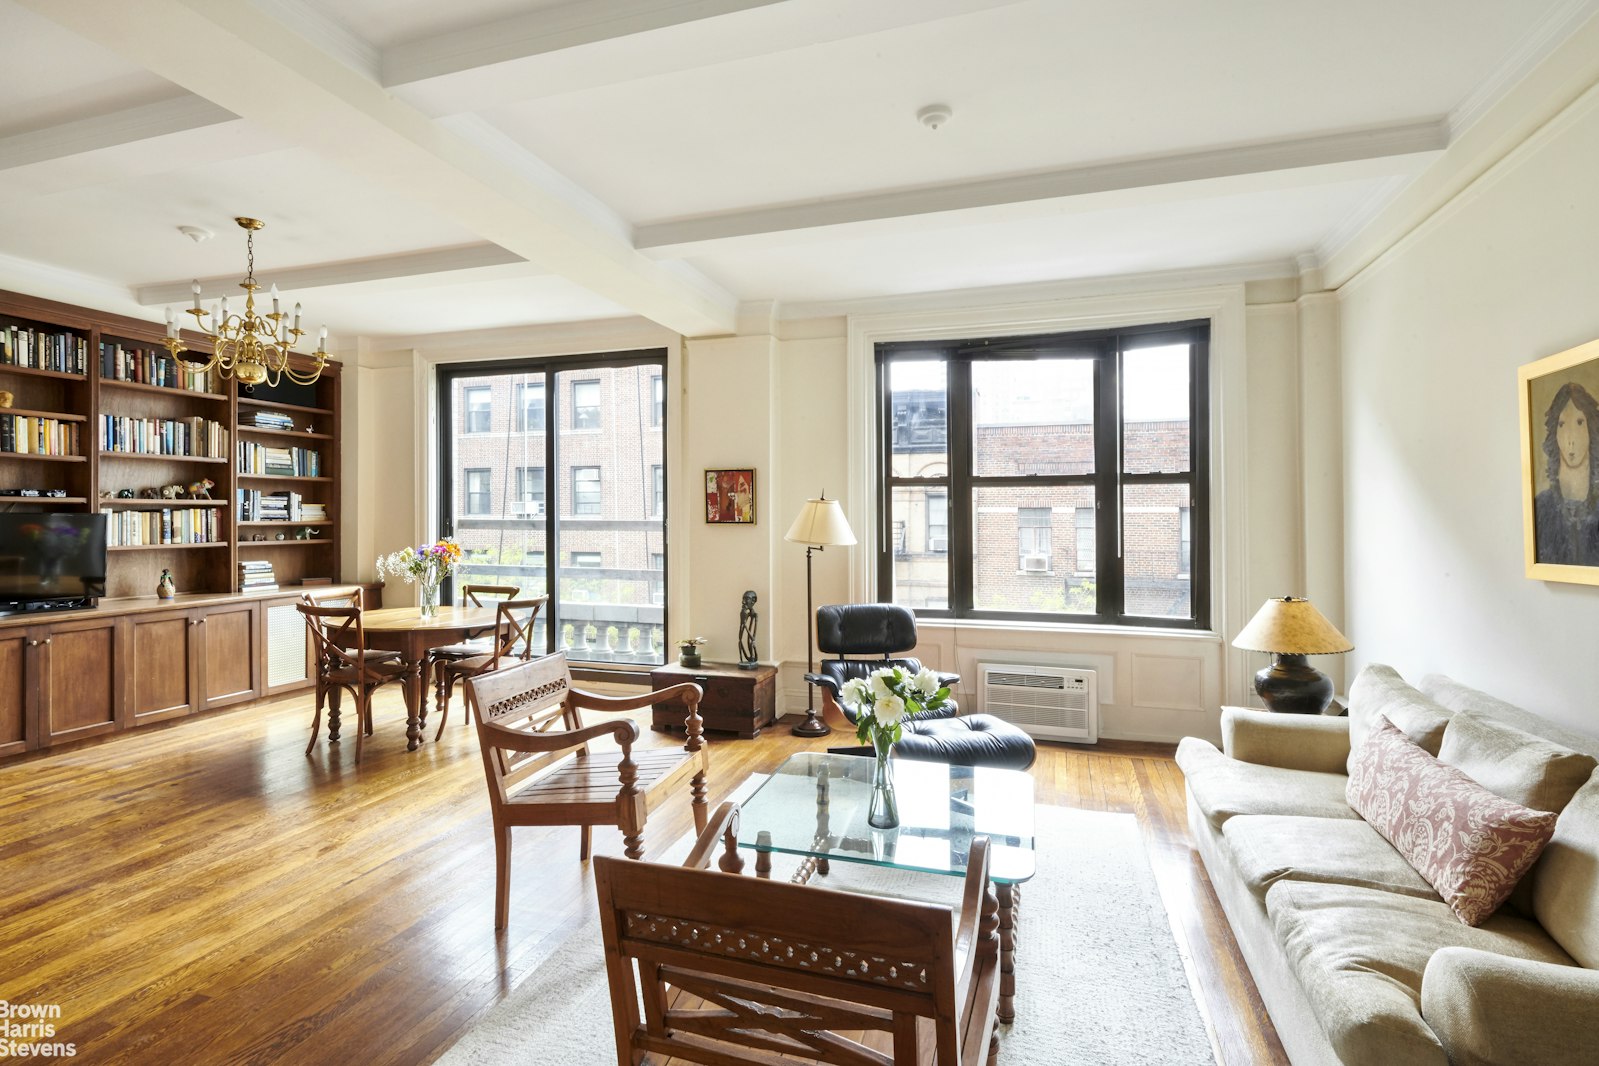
(249, 347)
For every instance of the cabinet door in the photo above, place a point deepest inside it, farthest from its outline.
(161, 658)
(17, 730)
(230, 665)
(288, 653)
(79, 680)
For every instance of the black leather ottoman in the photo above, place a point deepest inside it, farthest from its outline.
(970, 740)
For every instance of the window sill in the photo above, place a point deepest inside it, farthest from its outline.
(1200, 636)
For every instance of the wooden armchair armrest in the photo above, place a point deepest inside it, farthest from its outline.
(624, 730)
(969, 934)
(722, 828)
(593, 700)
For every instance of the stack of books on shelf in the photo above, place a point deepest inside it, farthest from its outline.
(34, 435)
(147, 366)
(36, 349)
(170, 525)
(285, 462)
(192, 437)
(255, 575)
(271, 420)
(257, 506)
(313, 512)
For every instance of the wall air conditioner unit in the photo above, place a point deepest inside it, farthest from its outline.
(1048, 702)
(1035, 564)
(938, 544)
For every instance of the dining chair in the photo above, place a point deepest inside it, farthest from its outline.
(512, 642)
(542, 770)
(474, 596)
(343, 661)
(734, 970)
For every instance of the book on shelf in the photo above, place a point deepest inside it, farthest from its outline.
(149, 366)
(271, 420)
(37, 349)
(256, 575)
(280, 461)
(194, 438)
(38, 435)
(169, 525)
(258, 506)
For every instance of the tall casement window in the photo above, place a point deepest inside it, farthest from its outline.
(539, 501)
(1060, 477)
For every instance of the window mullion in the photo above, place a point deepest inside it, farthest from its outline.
(959, 438)
(1110, 576)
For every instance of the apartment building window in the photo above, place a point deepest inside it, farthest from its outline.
(586, 405)
(479, 494)
(1032, 539)
(478, 411)
(586, 490)
(530, 490)
(588, 560)
(658, 489)
(657, 400)
(993, 437)
(530, 407)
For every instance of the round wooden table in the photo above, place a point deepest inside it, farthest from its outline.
(403, 629)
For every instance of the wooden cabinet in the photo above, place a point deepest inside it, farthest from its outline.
(229, 656)
(19, 729)
(161, 653)
(735, 700)
(77, 671)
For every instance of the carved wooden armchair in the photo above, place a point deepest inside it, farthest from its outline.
(541, 769)
(732, 969)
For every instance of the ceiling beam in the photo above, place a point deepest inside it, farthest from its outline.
(110, 129)
(1336, 151)
(236, 55)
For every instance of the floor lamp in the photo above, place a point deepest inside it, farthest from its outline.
(819, 524)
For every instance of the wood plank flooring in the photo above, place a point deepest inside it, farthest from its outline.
(205, 893)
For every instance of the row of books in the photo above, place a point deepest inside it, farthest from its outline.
(37, 349)
(196, 437)
(258, 506)
(256, 575)
(271, 420)
(147, 366)
(170, 525)
(288, 462)
(34, 435)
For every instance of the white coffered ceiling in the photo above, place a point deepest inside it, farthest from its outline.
(428, 167)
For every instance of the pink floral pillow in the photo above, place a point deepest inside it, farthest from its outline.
(1471, 845)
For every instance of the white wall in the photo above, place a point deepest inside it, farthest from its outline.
(1433, 333)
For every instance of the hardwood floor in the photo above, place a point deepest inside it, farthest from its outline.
(206, 893)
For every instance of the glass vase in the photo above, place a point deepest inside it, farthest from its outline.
(429, 599)
(884, 810)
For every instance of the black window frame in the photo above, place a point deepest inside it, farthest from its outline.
(1106, 349)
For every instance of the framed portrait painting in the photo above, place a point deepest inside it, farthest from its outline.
(1559, 400)
(730, 497)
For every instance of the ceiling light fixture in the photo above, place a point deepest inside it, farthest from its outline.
(249, 347)
(197, 234)
(934, 115)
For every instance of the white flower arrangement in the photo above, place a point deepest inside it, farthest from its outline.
(886, 699)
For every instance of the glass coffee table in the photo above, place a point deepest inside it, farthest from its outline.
(814, 806)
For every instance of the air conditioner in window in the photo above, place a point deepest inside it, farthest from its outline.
(1035, 564)
(938, 544)
(528, 507)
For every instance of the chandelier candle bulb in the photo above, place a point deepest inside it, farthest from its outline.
(296, 327)
(274, 299)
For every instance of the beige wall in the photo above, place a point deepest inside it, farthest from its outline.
(1432, 334)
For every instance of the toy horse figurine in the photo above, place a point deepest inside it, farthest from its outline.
(201, 490)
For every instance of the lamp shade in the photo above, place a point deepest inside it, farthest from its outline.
(1292, 626)
(821, 522)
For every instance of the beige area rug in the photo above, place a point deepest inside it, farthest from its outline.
(1099, 979)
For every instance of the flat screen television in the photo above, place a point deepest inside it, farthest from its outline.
(51, 560)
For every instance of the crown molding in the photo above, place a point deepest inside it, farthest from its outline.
(1558, 24)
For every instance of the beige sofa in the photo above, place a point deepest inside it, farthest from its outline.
(1358, 961)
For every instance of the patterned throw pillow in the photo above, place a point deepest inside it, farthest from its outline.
(1471, 845)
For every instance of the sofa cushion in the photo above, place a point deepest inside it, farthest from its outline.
(1359, 955)
(1334, 851)
(1519, 766)
(1379, 690)
(1222, 787)
(1469, 843)
(1453, 696)
(1565, 890)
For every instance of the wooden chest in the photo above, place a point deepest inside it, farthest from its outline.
(735, 700)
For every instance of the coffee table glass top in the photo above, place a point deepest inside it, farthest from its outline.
(815, 804)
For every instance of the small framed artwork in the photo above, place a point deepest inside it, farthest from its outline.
(730, 496)
(1559, 402)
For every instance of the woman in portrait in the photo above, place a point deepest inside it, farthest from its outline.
(1566, 514)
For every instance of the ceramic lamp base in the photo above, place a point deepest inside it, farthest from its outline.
(1291, 685)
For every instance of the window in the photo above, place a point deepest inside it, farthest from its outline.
(585, 490)
(586, 559)
(657, 400)
(478, 405)
(983, 442)
(657, 560)
(658, 489)
(530, 407)
(586, 405)
(530, 490)
(479, 497)
(1032, 539)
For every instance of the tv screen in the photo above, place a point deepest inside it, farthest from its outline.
(46, 557)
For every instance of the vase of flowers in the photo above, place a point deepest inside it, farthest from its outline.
(426, 567)
(688, 652)
(882, 702)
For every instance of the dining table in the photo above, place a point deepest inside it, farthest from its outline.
(405, 630)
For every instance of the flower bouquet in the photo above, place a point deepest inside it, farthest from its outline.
(427, 567)
(882, 702)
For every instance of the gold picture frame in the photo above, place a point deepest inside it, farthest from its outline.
(1559, 401)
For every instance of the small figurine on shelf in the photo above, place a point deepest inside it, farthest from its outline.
(166, 588)
(688, 652)
(201, 490)
(304, 533)
(5, 398)
(171, 492)
(144, 494)
(748, 620)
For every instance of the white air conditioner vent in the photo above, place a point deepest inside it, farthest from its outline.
(1052, 703)
(1035, 564)
(938, 544)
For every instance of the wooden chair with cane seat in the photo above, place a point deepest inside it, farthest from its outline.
(474, 596)
(338, 642)
(735, 970)
(512, 641)
(542, 769)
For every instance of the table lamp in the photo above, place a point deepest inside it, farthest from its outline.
(821, 522)
(1291, 628)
